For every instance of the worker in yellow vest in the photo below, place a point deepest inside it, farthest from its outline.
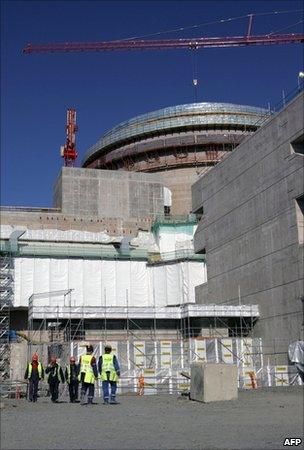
(109, 370)
(34, 373)
(87, 375)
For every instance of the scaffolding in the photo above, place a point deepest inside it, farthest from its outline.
(59, 329)
(6, 302)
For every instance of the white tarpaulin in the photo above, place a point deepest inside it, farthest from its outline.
(108, 282)
(145, 240)
(176, 238)
(60, 235)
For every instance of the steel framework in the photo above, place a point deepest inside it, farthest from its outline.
(165, 44)
(6, 301)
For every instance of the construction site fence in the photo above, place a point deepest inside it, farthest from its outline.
(149, 353)
(168, 381)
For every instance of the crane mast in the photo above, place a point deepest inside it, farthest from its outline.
(68, 151)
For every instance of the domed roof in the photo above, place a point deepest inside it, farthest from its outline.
(180, 116)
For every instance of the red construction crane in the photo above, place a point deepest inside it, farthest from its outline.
(68, 151)
(189, 43)
(155, 44)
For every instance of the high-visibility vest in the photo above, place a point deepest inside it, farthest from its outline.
(56, 374)
(108, 366)
(30, 368)
(68, 369)
(86, 368)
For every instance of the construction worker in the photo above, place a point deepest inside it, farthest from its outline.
(55, 376)
(34, 373)
(71, 376)
(109, 370)
(87, 375)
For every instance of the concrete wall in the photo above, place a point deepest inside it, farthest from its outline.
(179, 181)
(60, 221)
(108, 193)
(250, 228)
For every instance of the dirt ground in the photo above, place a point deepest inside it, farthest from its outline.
(259, 419)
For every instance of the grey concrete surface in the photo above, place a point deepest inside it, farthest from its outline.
(213, 382)
(108, 193)
(55, 219)
(252, 205)
(257, 420)
(18, 360)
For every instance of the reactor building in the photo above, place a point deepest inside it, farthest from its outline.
(114, 260)
(179, 142)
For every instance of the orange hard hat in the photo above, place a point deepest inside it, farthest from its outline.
(35, 357)
(72, 359)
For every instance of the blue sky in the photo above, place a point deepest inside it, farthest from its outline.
(109, 87)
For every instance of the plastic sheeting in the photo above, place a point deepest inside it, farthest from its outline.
(167, 197)
(108, 282)
(60, 235)
(41, 309)
(171, 238)
(296, 352)
(145, 240)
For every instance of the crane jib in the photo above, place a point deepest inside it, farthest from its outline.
(193, 43)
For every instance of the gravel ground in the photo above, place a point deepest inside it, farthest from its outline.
(259, 419)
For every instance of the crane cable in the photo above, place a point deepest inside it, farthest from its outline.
(230, 19)
(194, 74)
(285, 28)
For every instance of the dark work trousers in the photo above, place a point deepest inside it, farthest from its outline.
(73, 390)
(33, 389)
(87, 387)
(54, 385)
(105, 389)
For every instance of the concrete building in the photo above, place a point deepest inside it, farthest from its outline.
(109, 263)
(108, 193)
(251, 228)
(179, 142)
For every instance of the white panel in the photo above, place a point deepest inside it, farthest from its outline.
(150, 378)
(200, 350)
(17, 281)
(184, 274)
(58, 274)
(76, 281)
(150, 273)
(158, 277)
(26, 281)
(139, 284)
(174, 289)
(197, 275)
(92, 282)
(281, 376)
(247, 352)
(122, 282)
(226, 348)
(108, 286)
(166, 242)
(42, 279)
(139, 353)
(165, 354)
